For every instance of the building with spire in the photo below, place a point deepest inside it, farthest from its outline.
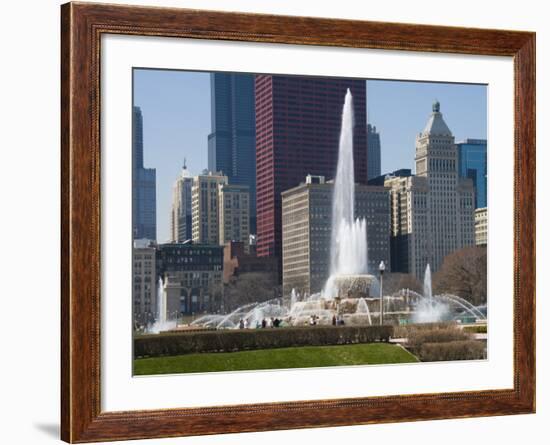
(433, 211)
(181, 213)
(144, 180)
(374, 157)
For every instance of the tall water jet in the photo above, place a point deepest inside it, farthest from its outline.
(161, 304)
(429, 310)
(428, 283)
(161, 321)
(293, 299)
(348, 245)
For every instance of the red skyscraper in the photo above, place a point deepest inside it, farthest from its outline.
(298, 123)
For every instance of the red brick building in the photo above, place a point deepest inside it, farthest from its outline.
(236, 261)
(298, 123)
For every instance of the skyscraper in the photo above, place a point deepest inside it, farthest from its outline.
(433, 211)
(181, 212)
(373, 152)
(472, 161)
(232, 142)
(144, 201)
(298, 123)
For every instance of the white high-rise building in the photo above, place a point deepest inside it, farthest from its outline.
(205, 207)
(181, 213)
(432, 212)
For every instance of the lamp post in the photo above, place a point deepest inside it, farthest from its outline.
(381, 269)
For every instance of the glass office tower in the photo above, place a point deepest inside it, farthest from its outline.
(472, 162)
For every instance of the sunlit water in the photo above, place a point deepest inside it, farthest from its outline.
(348, 243)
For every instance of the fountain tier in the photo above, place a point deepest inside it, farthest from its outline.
(350, 285)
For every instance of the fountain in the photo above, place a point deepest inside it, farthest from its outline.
(363, 309)
(293, 298)
(350, 293)
(428, 309)
(161, 303)
(428, 283)
(348, 244)
(432, 308)
(161, 321)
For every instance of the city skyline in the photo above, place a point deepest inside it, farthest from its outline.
(176, 107)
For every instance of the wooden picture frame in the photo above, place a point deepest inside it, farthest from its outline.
(82, 25)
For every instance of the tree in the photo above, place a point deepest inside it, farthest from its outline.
(395, 281)
(249, 287)
(215, 291)
(464, 273)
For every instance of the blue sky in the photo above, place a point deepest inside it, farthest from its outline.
(176, 122)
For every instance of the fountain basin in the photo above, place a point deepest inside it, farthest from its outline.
(346, 286)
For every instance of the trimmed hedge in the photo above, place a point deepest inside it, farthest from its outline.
(437, 335)
(404, 331)
(454, 350)
(178, 343)
(441, 342)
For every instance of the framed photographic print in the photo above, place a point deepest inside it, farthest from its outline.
(275, 222)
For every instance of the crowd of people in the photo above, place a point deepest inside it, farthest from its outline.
(273, 322)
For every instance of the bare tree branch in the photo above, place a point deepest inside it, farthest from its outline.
(464, 273)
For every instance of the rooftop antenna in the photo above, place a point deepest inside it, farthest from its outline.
(185, 163)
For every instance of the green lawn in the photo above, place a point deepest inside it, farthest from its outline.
(476, 329)
(299, 357)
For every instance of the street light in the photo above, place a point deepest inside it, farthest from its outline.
(381, 268)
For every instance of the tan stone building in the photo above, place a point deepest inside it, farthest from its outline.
(192, 277)
(432, 212)
(144, 282)
(234, 213)
(306, 229)
(205, 207)
(481, 226)
(192, 292)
